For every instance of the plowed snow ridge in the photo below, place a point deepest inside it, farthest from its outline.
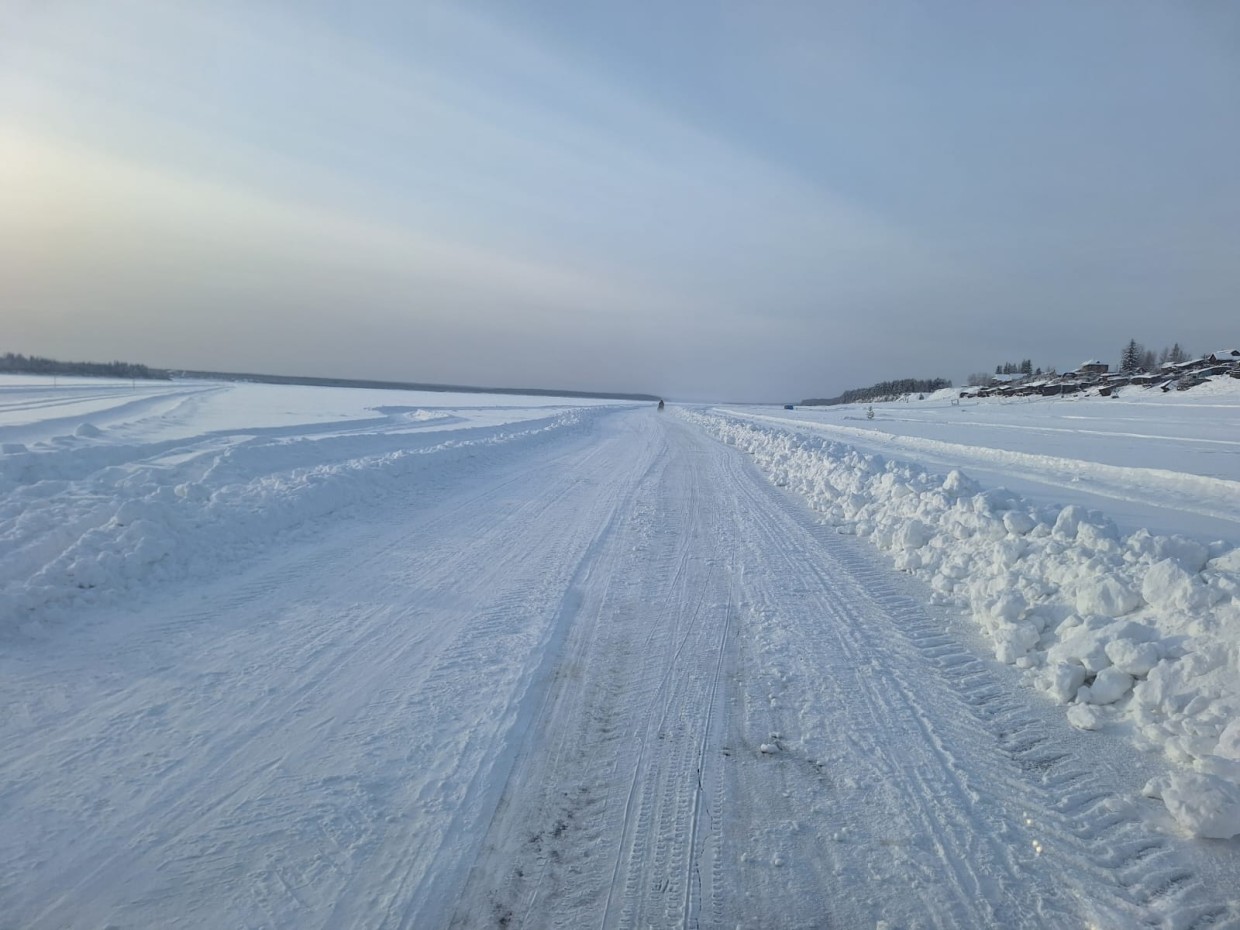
(1141, 628)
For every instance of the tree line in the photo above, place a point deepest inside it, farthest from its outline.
(1136, 357)
(34, 364)
(884, 390)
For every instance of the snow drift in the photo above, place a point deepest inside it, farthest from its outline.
(92, 521)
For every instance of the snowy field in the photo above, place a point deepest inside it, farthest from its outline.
(1166, 462)
(280, 656)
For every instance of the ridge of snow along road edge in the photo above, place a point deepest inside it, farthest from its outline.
(1140, 628)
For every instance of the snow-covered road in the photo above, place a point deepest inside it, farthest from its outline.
(584, 668)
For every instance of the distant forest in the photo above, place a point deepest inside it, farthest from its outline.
(408, 385)
(33, 364)
(884, 390)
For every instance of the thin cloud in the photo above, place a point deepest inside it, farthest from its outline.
(778, 208)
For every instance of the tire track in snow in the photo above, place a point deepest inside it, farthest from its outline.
(873, 713)
(274, 730)
(312, 570)
(1112, 840)
(703, 775)
(613, 799)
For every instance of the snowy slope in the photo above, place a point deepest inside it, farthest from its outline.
(302, 657)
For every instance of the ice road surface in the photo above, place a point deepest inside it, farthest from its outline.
(307, 657)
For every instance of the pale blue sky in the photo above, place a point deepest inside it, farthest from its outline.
(703, 200)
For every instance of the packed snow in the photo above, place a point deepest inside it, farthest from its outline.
(298, 657)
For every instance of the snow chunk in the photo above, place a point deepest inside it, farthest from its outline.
(1169, 587)
(912, 535)
(87, 431)
(1133, 658)
(1227, 562)
(1081, 644)
(1068, 521)
(1109, 686)
(1107, 594)
(1018, 522)
(1204, 805)
(1013, 641)
(958, 485)
(1099, 537)
(1229, 741)
(1062, 681)
(1010, 607)
(1173, 685)
(1083, 716)
(1189, 554)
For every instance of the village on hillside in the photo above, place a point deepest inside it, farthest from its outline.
(1094, 375)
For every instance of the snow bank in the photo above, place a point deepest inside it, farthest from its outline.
(1140, 628)
(98, 522)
